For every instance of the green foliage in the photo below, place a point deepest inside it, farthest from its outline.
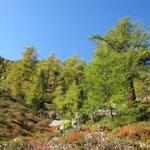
(59, 98)
(20, 73)
(35, 95)
(47, 76)
(116, 76)
(72, 70)
(4, 65)
(142, 111)
(118, 61)
(71, 102)
(107, 81)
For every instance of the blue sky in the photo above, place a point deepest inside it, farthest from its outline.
(61, 26)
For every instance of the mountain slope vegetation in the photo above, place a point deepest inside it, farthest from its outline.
(111, 91)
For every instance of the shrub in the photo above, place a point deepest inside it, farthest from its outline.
(74, 136)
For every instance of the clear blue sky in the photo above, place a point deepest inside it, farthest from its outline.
(61, 26)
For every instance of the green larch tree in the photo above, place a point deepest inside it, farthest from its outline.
(71, 100)
(21, 73)
(128, 37)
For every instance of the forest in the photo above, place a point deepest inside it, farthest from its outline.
(112, 91)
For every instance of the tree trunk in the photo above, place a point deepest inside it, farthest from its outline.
(91, 115)
(131, 93)
(92, 119)
(111, 112)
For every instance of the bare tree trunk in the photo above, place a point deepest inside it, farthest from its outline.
(91, 115)
(111, 112)
(92, 119)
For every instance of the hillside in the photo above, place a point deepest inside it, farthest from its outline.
(22, 127)
(18, 119)
(104, 104)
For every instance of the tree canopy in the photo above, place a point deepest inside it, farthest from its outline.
(116, 77)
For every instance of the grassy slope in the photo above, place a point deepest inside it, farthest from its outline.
(17, 119)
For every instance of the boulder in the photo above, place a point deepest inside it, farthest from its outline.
(60, 124)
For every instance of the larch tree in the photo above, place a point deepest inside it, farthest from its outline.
(129, 38)
(20, 73)
(46, 79)
(71, 100)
